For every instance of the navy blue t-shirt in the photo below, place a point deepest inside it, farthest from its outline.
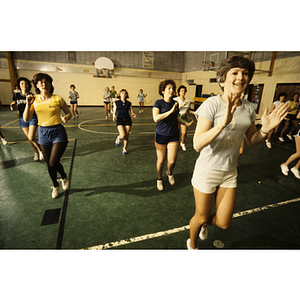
(20, 99)
(123, 109)
(169, 125)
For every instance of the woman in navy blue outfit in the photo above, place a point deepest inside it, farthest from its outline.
(122, 110)
(165, 114)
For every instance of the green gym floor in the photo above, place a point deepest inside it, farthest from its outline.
(113, 202)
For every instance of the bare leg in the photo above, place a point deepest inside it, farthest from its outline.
(296, 155)
(172, 151)
(161, 153)
(30, 134)
(225, 202)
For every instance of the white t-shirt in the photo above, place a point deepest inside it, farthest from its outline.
(183, 110)
(222, 153)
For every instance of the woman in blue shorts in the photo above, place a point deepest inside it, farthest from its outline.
(29, 128)
(165, 114)
(52, 135)
(121, 114)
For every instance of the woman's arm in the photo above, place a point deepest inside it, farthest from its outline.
(67, 112)
(29, 109)
(115, 112)
(205, 134)
(187, 124)
(131, 111)
(158, 117)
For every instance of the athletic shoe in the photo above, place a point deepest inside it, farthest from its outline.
(284, 169)
(4, 141)
(159, 185)
(281, 139)
(117, 142)
(36, 157)
(171, 179)
(77, 116)
(203, 233)
(74, 117)
(65, 183)
(41, 156)
(183, 146)
(295, 172)
(289, 136)
(268, 144)
(55, 192)
(124, 151)
(188, 245)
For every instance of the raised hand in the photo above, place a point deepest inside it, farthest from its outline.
(274, 118)
(232, 102)
(30, 99)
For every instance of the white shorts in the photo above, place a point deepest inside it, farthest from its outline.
(207, 181)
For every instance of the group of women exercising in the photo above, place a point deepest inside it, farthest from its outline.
(223, 121)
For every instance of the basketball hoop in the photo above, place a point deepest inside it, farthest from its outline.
(207, 64)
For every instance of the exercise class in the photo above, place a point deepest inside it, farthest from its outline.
(119, 151)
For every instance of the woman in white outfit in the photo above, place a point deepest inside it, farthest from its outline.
(223, 122)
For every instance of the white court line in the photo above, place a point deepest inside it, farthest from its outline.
(179, 229)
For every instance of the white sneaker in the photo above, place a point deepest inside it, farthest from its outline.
(117, 142)
(281, 139)
(36, 157)
(183, 146)
(188, 245)
(65, 183)
(4, 141)
(284, 169)
(203, 233)
(159, 185)
(124, 151)
(41, 156)
(268, 144)
(289, 136)
(171, 179)
(55, 192)
(295, 172)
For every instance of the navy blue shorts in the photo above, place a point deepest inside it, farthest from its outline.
(124, 122)
(73, 102)
(48, 135)
(163, 140)
(32, 122)
(291, 117)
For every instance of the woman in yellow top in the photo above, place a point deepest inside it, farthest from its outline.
(293, 106)
(52, 135)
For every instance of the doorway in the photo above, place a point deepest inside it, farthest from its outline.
(253, 94)
(289, 88)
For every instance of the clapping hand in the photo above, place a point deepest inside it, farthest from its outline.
(270, 121)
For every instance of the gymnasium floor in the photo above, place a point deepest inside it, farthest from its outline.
(113, 202)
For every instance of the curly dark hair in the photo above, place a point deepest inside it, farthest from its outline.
(162, 86)
(24, 79)
(181, 87)
(234, 61)
(38, 77)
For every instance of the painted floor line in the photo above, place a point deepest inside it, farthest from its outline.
(179, 229)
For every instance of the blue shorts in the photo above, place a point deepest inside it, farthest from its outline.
(163, 140)
(124, 122)
(32, 122)
(73, 102)
(48, 135)
(291, 117)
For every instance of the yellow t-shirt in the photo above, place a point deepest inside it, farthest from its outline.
(48, 112)
(294, 106)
